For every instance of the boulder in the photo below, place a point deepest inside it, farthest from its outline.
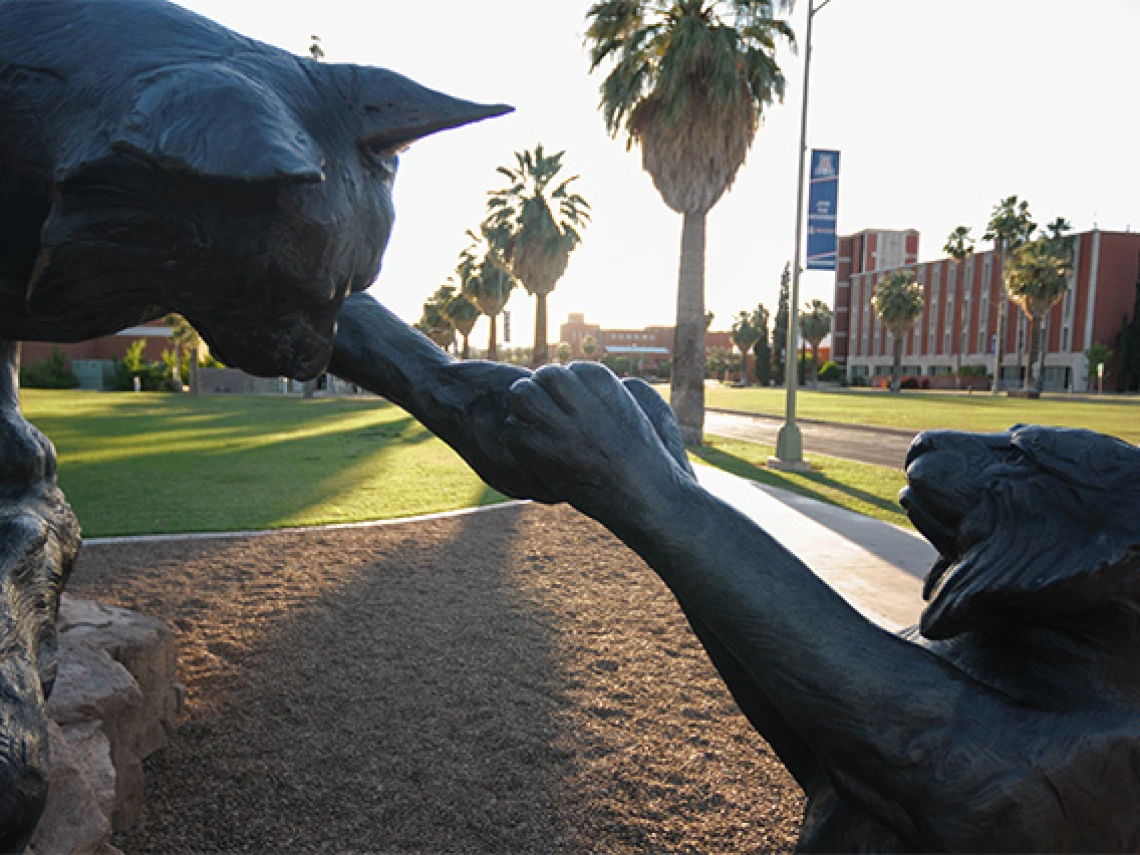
(116, 701)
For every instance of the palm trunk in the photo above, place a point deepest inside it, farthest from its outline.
(961, 326)
(896, 368)
(492, 350)
(1028, 383)
(815, 364)
(1043, 345)
(176, 368)
(1000, 343)
(688, 378)
(540, 356)
(195, 357)
(466, 347)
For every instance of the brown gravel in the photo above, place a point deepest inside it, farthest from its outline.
(510, 681)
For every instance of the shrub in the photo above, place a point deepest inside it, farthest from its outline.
(153, 376)
(51, 373)
(829, 372)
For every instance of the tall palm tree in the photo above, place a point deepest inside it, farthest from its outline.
(541, 219)
(898, 301)
(1010, 226)
(688, 81)
(744, 335)
(960, 246)
(1038, 277)
(484, 279)
(815, 324)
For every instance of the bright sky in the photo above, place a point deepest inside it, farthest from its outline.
(939, 108)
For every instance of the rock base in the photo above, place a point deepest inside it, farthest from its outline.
(115, 702)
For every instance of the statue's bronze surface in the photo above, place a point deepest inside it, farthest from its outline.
(1010, 722)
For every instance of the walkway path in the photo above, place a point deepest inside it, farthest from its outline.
(875, 566)
(880, 446)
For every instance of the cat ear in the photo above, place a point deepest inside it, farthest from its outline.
(212, 121)
(392, 111)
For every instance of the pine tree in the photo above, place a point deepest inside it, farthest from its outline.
(762, 350)
(780, 329)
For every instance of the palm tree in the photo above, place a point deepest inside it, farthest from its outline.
(1010, 226)
(483, 277)
(960, 246)
(565, 352)
(688, 81)
(540, 218)
(434, 322)
(744, 335)
(1038, 277)
(463, 314)
(815, 324)
(898, 301)
(589, 346)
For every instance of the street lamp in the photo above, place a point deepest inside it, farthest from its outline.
(789, 443)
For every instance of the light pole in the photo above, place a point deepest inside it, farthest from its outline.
(789, 444)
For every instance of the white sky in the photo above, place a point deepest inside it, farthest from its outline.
(939, 108)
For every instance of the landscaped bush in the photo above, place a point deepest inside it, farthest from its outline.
(51, 373)
(829, 372)
(153, 376)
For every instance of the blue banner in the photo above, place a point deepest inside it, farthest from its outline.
(823, 196)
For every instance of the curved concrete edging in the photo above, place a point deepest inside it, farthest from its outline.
(222, 535)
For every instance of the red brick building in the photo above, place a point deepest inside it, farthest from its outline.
(91, 360)
(959, 322)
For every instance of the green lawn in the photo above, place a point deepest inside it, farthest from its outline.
(151, 463)
(155, 463)
(861, 487)
(922, 410)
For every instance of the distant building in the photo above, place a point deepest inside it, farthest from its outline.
(649, 345)
(959, 321)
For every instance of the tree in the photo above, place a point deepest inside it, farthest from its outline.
(780, 328)
(898, 302)
(688, 81)
(435, 321)
(540, 219)
(815, 324)
(589, 346)
(484, 279)
(1128, 345)
(1010, 226)
(762, 349)
(565, 352)
(463, 313)
(959, 246)
(744, 336)
(186, 338)
(1038, 277)
(1097, 355)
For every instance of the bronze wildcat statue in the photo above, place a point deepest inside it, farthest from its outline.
(1008, 721)
(153, 161)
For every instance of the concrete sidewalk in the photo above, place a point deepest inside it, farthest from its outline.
(875, 566)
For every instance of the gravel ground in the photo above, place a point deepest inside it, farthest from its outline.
(509, 681)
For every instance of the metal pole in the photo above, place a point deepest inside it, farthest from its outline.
(789, 444)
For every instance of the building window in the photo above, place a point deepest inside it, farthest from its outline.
(1065, 339)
